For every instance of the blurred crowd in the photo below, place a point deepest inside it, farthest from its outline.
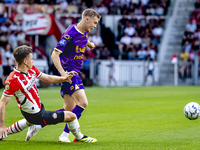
(190, 42)
(116, 7)
(138, 35)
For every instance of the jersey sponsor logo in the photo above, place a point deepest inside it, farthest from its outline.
(31, 83)
(78, 56)
(7, 87)
(63, 42)
(80, 50)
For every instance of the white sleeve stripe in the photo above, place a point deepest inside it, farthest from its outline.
(7, 95)
(57, 49)
(39, 75)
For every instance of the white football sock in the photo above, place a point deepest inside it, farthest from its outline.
(38, 127)
(74, 127)
(65, 134)
(17, 126)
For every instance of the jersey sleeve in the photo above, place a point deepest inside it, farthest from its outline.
(65, 39)
(11, 86)
(38, 72)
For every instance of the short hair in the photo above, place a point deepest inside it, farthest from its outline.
(21, 52)
(90, 13)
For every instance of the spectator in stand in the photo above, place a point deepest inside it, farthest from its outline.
(151, 53)
(13, 39)
(159, 10)
(72, 9)
(157, 31)
(151, 10)
(105, 53)
(196, 44)
(142, 54)
(130, 30)
(4, 28)
(123, 9)
(197, 33)
(133, 20)
(4, 37)
(191, 55)
(136, 2)
(82, 7)
(188, 36)
(102, 10)
(86, 67)
(21, 37)
(139, 28)
(136, 40)
(96, 39)
(138, 11)
(187, 46)
(132, 54)
(144, 2)
(6, 62)
(125, 41)
(183, 67)
(192, 26)
(146, 39)
(131, 9)
(114, 10)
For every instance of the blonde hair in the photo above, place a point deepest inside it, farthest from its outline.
(90, 13)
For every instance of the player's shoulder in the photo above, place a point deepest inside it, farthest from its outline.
(12, 77)
(70, 30)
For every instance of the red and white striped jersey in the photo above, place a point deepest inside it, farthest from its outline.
(23, 87)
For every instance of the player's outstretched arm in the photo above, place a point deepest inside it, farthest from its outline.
(91, 45)
(56, 60)
(3, 130)
(56, 79)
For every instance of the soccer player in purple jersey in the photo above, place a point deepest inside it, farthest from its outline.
(67, 56)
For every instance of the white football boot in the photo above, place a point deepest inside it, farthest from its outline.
(32, 130)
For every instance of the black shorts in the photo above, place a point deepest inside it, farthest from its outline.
(44, 117)
(6, 70)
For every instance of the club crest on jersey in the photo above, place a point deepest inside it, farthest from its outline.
(63, 42)
(7, 87)
(54, 115)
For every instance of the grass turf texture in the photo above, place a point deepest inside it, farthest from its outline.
(120, 118)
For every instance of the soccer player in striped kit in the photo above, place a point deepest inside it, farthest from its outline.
(21, 83)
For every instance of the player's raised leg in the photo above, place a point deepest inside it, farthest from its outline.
(18, 126)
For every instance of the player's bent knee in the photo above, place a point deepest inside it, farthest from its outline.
(85, 104)
(69, 116)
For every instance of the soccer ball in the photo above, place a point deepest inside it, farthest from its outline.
(192, 110)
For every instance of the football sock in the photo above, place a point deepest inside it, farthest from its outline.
(65, 134)
(74, 127)
(77, 110)
(17, 126)
(62, 109)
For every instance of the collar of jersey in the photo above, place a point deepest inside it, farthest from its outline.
(78, 30)
(20, 71)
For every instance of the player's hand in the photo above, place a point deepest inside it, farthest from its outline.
(3, 133)
(69, 75)
(91, 45)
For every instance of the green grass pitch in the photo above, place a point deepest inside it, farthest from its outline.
(121, 118)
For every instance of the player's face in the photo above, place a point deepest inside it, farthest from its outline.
(91, 23)
(29, 61)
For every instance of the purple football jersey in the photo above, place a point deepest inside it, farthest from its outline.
(72, 46)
